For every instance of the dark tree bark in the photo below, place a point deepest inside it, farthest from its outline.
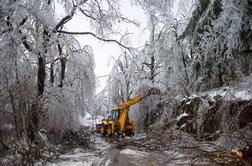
(41, 63)
(185, 66)
(152, 63)
(34, 114)
(15, 114)
(63, 69)
(63, 65)
(182, 53)
(41, 75)
(52, 73)
(33, 121)
(33, 117)
(152, 69)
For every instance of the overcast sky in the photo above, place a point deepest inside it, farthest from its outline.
(104, 51)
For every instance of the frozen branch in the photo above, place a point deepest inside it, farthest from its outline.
(65, 19)
(94, 35)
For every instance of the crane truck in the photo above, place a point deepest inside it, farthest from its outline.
(118, 123)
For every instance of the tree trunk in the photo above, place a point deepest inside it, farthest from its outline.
(63, 69)
(220, 75)
(182, 54)
(41, 75)
(62, 64)
(41, 63)
(185, 66)
(152, 68)
(52, 73)
(33, 116)
(15, 114)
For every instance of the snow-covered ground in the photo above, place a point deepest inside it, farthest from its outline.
(133, 153)
(105, 154)
(241, 91)
(79, 157)
(75, 159)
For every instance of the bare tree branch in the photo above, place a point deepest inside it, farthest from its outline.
(65, 19)
(86, 14)
(102, 76)
(97, 37)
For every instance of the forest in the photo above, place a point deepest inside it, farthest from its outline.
(189, 83)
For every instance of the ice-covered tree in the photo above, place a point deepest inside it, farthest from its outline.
(174, 58)
(220, 51)
(120, 81)
(40, 55)
(102, 103)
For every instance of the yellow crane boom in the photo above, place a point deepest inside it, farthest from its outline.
(119, 122)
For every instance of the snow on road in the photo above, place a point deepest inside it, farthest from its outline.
(78, 159)
(81, 158)
(105, 154)
(133, 153)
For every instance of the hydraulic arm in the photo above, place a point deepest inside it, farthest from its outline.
(119, 122)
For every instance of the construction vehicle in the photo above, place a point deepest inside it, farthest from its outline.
(118, 123)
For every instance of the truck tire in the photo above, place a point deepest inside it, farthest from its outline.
(103, 130)
(109, 131)
(128, 133)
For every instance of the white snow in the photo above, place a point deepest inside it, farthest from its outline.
(172, 153)
(193, 96)
(134, 153)
(181, 116)
(183, 126)
(71, 163)
(101, 145)
(43, 136)
(221, 92)
(76, 156)
(241, 91)
(108, 162)
(189, 102)
(7, 126)
(243, 94)
(88, 120)
(78, 159)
